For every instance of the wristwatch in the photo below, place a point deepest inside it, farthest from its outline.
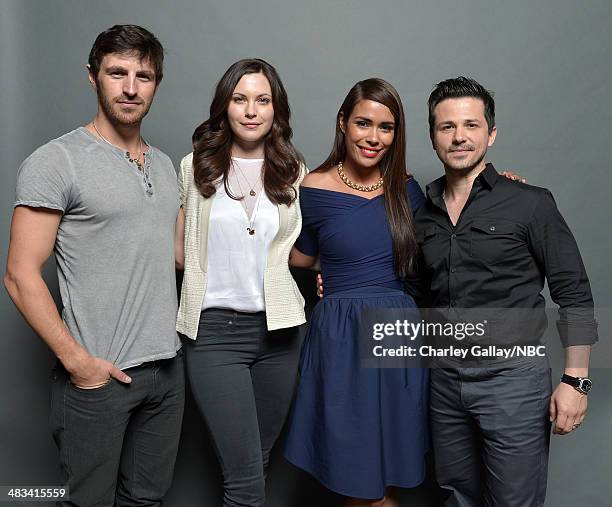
(581, 384)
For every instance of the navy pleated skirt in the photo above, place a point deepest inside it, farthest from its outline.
(357, 430)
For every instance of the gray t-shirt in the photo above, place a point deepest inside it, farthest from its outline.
(114, 246)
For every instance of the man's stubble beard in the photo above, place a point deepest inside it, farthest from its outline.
(467, 167)
(106, 104)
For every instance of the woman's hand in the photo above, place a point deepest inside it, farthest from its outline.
(513, 176)
(319, 285)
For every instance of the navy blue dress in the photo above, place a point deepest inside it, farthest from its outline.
(357, 430)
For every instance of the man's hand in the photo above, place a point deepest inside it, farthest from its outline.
(33, 233)
(88, 372)
(567, 409)
(319, 285)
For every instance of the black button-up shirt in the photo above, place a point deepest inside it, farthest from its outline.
(509, 237)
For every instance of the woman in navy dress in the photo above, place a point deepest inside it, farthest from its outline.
(359, 430)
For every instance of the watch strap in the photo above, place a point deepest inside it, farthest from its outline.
(581, 384)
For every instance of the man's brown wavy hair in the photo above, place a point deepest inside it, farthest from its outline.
(212, 140)
(126, 39)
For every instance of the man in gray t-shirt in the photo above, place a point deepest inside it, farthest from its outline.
(107, 203)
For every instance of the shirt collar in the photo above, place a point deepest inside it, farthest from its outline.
(488, 177)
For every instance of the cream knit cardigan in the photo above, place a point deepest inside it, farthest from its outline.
(284, 303)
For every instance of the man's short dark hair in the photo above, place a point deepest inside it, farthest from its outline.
(461, 87)
(127, 39)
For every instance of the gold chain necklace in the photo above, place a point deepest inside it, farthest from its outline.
(357, 186)
(136, 160)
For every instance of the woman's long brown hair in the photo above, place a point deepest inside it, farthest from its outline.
(392, 168)
(212, 140)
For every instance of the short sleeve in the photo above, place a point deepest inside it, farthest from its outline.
(46, 179)
(307, 242)
(415, 194)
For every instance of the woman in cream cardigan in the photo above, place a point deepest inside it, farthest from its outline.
(240, 307)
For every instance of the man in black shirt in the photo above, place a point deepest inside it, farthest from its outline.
(489, 242)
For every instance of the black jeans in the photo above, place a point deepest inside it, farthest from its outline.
(118, 443)
(242, 377)
(491, 434)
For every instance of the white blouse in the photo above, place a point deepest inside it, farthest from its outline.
(237, 259)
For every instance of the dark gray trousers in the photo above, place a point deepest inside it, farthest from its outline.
(491, 435)
(242, 378)
(118, 443)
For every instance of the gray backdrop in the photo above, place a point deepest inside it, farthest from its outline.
(547, 61)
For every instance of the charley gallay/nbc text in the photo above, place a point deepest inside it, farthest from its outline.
(460, 352)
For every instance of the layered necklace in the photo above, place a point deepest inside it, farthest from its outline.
(251, 228)
(252, 192)
(362, 188)
(141, 155)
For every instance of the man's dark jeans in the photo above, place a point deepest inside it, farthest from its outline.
(118, 443)
(490, 431)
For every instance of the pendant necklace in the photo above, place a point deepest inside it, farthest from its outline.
(252, 192)
(251, 228)
(136, 160)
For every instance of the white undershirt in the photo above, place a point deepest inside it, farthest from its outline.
(236, 259)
